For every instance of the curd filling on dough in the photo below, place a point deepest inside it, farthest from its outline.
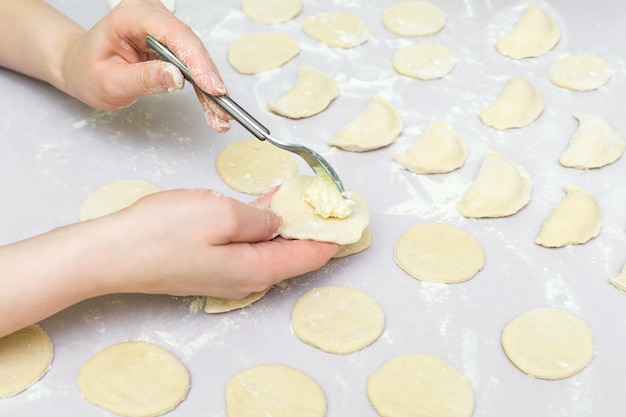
(324, 196)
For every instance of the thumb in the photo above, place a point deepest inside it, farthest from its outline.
(253, 224)
(152, 77)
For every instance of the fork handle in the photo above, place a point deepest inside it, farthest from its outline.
(225, 102)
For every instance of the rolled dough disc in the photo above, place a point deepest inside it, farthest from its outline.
(254, 167)
(134, 379)
(439, 252)
(360, 245)
(420, 385)
(271, 11)
(114, 197)
(438, 151)
(414, 18)
(377, 126)
(580, 72)
(25, 356)
(501, 188)
(424, 61)
(259, 52)
(595, 143)
(274, 390)
(575, 220)
(535, 34)
(518, 105)
(337, 29)
(548, 343)
(214, 305)
(301, 222)
(337, 319)
(308, 96)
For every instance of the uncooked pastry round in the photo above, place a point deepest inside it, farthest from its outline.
(337, 29)
(25, 356)
(424, 61)
(439, 150)
(501, 188)
(580, 72)
(337, 319)
(575, 220)
(274, 390)
(377, 126)
(595, 143)
(301, 222)
(518, 105)
(439, 252)
(114, 197)
(420, 385)
(363, 243)
(214, 305)
(271, 11)
(308, 96)
(535, 34)
(253, 166)
(169, 4)
(414, 18)
(548, 343)
(134, 379)
(258, 52)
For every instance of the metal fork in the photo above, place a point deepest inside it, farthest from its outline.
(320, 166)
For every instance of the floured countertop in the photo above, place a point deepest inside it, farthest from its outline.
(54, 152)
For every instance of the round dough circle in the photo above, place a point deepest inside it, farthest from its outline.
(424, 61)
(114, 197)
(253, 166)
(420, 385)
(580, 72)
(548, 343)
(414, 18)
(301, 222)
(221, 305)
(134, 379)
(274, 390)
(337, 319)
(271, 11)
(364, 242)
(25, 356)
(259, 52)
(337, 29)
(439, 252)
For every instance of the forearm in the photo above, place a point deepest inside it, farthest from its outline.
(36, 37)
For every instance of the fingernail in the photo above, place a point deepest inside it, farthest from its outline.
(172, 79)
(218, 83)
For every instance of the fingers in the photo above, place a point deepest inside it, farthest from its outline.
(242, 223)
(215, 116)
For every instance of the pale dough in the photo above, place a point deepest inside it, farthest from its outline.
(501, 188)
(377, 126)
(619, 280)
(337, 319)
(439, 150)
(213, 305)
(271, 11)
(580, 72)
(420, 385)
(337, 29)
(594, 144)
(424, 61)
(364, 242)
(259, 52)
(253, 166)
(575, 220)
(311, 94)
(169, 4)
(414, 18)
(548, 343)
(134, 379)
(113, 197)
(535, 34)
(518, 105)
(276, 391)
(25, 356)
(439, 252)
(301, 222)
